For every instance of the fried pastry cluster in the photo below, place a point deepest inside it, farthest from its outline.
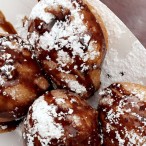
(64, 51)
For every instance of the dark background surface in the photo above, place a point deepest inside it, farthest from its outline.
(132, 13)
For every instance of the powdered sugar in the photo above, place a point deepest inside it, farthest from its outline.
(120, 140)
(7, 68)
(22, 26)
(132, 138)
(56, 3)
(60, 101)
(48, 129)
(63, 58)
(65, 33)
(140, 94)
(75, 86)
(39, 12)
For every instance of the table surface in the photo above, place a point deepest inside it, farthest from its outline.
(133, 14)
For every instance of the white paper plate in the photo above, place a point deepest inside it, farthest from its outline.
(125, 59)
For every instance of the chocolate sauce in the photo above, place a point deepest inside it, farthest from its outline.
(9, 126)
(5, 25)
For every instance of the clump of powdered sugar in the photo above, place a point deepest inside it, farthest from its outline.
(75, 86)
(22, 26)
(43, 115)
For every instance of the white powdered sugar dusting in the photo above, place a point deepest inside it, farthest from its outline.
(34, 36)
(60, 101)
(63, 3)
(63, 58)
(9, 44)
(39, 12)
(22, 26)
(65, 33)
(132, 136)
(43, 115)
(70, 33)
(75, 86)
(7, 68)
(118, 137)
(140, 94)
(14, 42)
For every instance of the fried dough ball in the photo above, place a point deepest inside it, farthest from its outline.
(69, 44)
(21, 80)
(122, 115)
(61, 118)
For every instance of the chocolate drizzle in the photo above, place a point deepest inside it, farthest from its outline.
(5, 25)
